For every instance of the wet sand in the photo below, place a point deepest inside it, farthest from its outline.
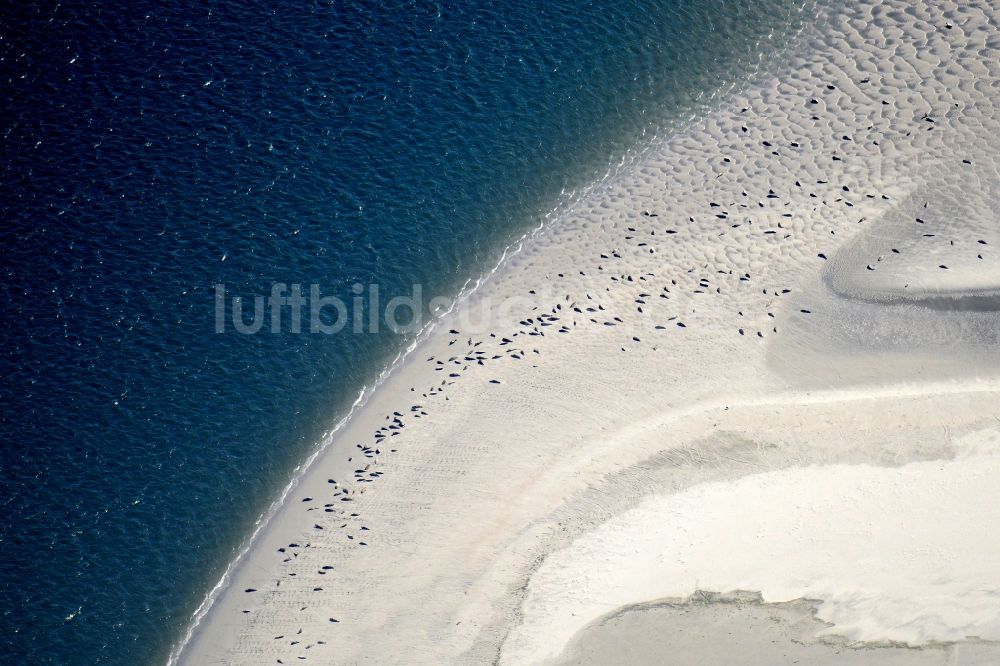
(739, 629)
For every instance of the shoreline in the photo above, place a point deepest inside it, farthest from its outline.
(328, 439)
(565, 208)
(621, 284)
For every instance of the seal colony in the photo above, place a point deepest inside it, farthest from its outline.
(764, 360)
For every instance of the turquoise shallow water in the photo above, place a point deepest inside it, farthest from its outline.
(152, 151)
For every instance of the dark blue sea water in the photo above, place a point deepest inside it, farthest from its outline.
(153, 150)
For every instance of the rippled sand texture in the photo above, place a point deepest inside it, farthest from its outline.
(751, 316)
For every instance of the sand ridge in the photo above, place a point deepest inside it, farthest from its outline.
(699, 280)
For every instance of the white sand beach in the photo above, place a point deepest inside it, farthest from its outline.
(753, 380)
